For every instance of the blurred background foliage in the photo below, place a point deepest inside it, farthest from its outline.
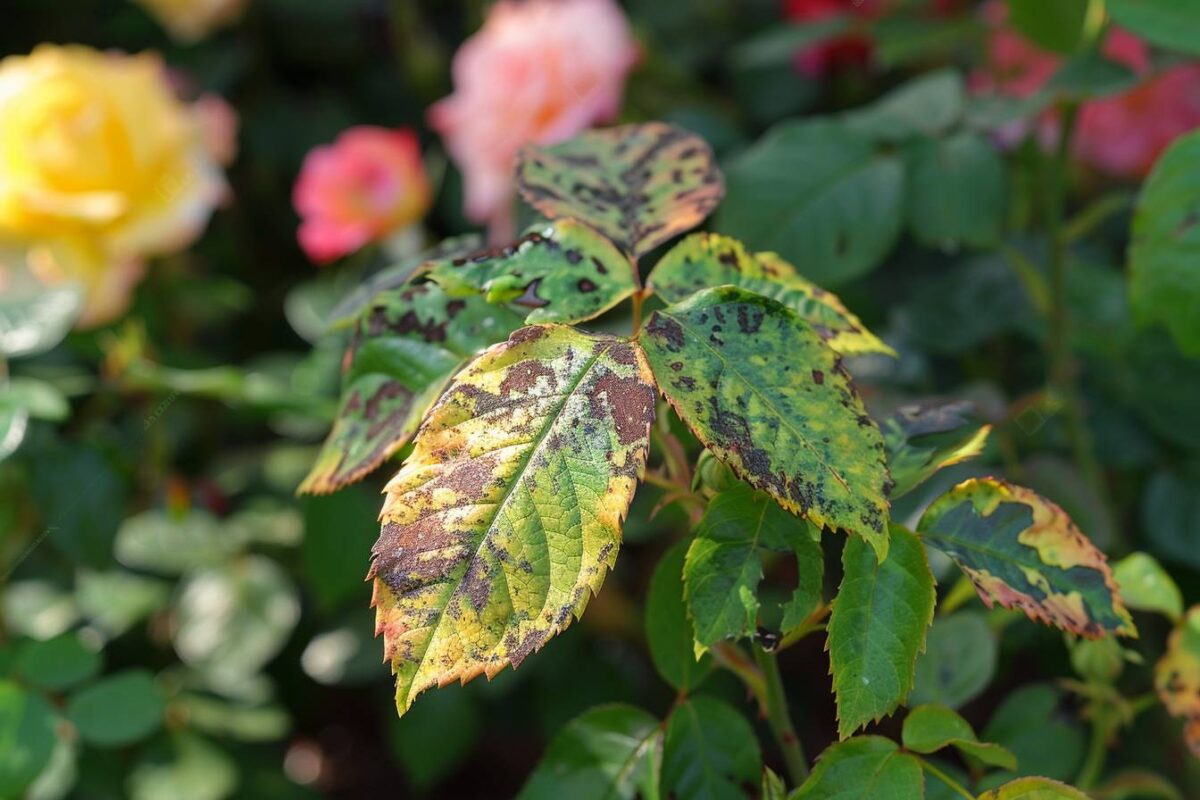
(197, 631)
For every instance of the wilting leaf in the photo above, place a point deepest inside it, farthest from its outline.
(405, 348)
(877, 628)
(1177, 677)
(820, 195)
(668, 630)
(723, 566)
(1023, 552)
(1034, 789)
(1172, 24)
(758, 386)
(1164, 282)
(957, 191)
(639, 185)
(862, 767)
(604, 754)
(1146, 586)
(924, 438)
(564, 271)
(507, 515)
(928, 729)
(704, 259)
(710, 752)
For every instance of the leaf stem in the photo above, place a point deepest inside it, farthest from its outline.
(954, 785)
(779, 718)
(1097, 752)
(639, 298)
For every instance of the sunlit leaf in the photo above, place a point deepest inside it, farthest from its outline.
(862, 767)
(1177, 677)
(877, 628)
(604, 754)
(507, 515)
(723, 566)
(1023, 552)
(1146, 586)
(928, 729)
(924, 438)
(34, 318)
(668, 629)
(639, 185)
(703, 260)
(185, 767)
(1034, 789)
(406, 346)
(761, 389)
(710, 752)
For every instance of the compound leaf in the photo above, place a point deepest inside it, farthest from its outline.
(759, 387)
(865, 766)
(507, 515)
(928, 729)
(1034, 789)
(707, 259)
(1023, 552)
(922, 439)
(1177, 677)
(639, 185)
(563, 271)
(710, 752)
(877, 628)
(406, 346)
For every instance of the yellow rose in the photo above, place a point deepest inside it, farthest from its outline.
(100, 167)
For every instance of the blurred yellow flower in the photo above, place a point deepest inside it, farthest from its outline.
(100, 167)
(190, 20)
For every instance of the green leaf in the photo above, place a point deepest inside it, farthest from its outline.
(57, 663)
(246, 723)
(773, 787)
(1171, 514)
(710, 752)
(1173, 24)
(1177, 677)
(925, 106)
(1146, 586)
(41, 399)
(191, 768)
(507, 515)
(1164, 283)
(233, 619)
(877, 628)
(669, 632)
(119, 709)
(406, 346)
(639, 185)
(436, 737)
(338, 532)
(1030, 724)
(116, 601)
(819, 195)
(173, 543)
(1034, 789)
(1022, 551)
(34, 318)
(1089, 75)
(14, 422)
(703, 260)
(757, 386)
(603, 754)
(958, 663)
(1055, 26)
(928, 729)
(864, 767)
(922, 439)
(957, 192)
(723, 567)
(563, 270)
(27, 732)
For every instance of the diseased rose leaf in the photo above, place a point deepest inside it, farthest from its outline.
(1034, 789)
(877, 628)
(706, 259)
(1177, 677)
(759, 387)
(723, 567)
(563, 271)
(922, 439)
(639, 185)
(1023, 551)
(507, 515)
(862, 767)
(928, 729)
(406, 345)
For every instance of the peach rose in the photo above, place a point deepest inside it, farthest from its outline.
(192, 20)
(367, 184)
(537, 71)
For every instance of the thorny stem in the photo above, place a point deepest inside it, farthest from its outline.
(954, 785)
(779, 719)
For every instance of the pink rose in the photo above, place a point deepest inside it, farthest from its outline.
(366, 185)
(537, 71)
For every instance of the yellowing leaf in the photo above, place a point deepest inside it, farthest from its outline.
(639, 185)
(922, 439)
(706, 259)
(507, 515)
(1177, 677)
(1034, 789)
(1023, 552)
(759, 387)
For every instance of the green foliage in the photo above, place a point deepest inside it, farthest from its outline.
(118, 709)
(958, 663)
(1168, 23)
(865, 766)
(1030, 725)
(1146, 586)
(27, 730)
(669, 632)
(1056, 26)
(923, 439)
(709, 752)
(57, 663)
(957, 192)
(928, 729)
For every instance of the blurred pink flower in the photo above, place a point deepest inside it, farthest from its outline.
(370, 182)
(218, 124)
(851, 50)
(537, 71)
